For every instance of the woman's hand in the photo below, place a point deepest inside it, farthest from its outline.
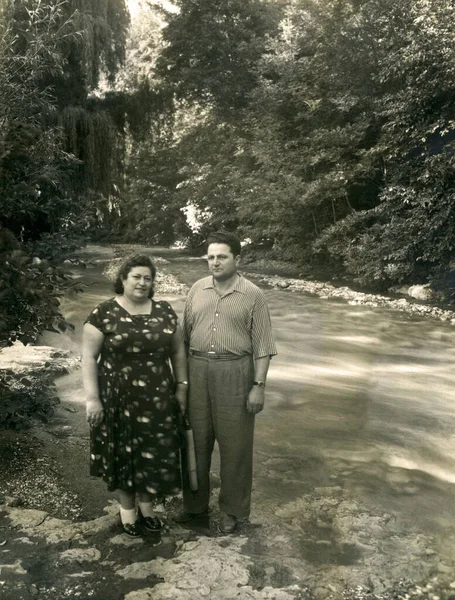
(95, 412)
(180, 396)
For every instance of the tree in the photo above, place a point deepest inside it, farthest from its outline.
(341, 147)
(33, 162)
(212, 47)
(82, 43)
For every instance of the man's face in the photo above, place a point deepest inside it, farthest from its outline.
(222, 263)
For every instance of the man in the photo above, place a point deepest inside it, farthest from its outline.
(228, 333)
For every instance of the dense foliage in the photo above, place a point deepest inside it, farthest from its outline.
(322, 128)
(56, 147)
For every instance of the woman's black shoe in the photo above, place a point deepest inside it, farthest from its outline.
(152, 523)
(131, 529)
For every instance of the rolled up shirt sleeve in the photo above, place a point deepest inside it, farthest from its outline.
(261, 331)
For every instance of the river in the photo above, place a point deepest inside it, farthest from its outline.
(355, 451)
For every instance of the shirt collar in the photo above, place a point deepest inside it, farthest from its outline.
(240, 286)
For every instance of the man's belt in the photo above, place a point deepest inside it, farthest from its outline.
(216, 355)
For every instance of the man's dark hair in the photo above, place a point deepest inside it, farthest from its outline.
(136, 260)
(224, 237)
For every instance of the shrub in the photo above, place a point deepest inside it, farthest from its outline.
(22, 401)
(30, 290)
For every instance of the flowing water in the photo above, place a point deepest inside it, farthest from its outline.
(359, 402)
(372, 394)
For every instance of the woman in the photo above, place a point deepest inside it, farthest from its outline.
(133, 396)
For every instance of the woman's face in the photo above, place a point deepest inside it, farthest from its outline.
(137, 284)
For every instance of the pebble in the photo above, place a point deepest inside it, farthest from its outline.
(442, 568)
(25, 540)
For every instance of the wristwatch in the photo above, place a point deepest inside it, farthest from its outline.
(182, 382)
(259, 383)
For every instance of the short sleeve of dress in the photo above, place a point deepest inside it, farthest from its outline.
(171, 315)
(95, 318)
(169, 310)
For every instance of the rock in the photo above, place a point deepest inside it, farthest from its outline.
(421, 292)
(199, 568)
(123, 540)
(25, 540)
(410, 489)
(329, 490)
(25, 519)
(20, 364)
(442, 568)
(38, 522)
(399, 289)
(138, 570)
(13, 569)
(13, 501)
(283, 284)
(80, 555)
(321, 593)
(166, 591)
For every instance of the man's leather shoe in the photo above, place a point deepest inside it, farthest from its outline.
(228, 523)
(185, 517)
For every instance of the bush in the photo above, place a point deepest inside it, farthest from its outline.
(30, 292)
(22, 401)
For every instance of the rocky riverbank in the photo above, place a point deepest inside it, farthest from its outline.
(60, 534)
(328, 291)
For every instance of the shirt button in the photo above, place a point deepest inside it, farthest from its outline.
(216, 314)
(213, 346)
(214, 329)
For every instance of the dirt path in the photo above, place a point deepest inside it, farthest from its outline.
(60, 535)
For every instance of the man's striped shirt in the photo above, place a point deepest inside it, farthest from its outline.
(237, 322)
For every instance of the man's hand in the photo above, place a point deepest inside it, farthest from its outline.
(256, 398)
(180, 396)
(95, 412)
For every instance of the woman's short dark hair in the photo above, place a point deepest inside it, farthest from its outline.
(225, 237)
(136, 260)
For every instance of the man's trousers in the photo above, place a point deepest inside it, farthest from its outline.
(218, 393)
